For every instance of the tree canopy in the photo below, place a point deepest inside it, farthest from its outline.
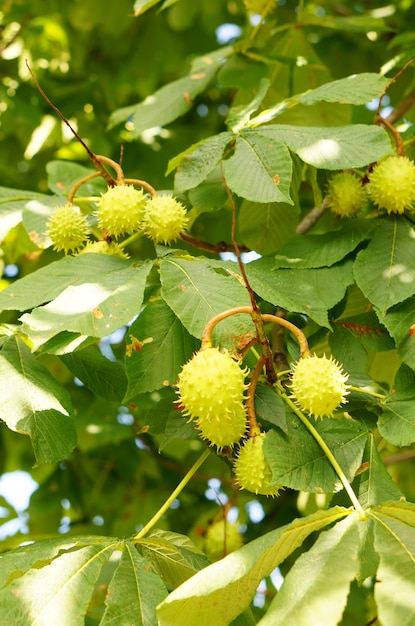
(207, 357)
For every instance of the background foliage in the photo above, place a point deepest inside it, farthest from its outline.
(189, 95)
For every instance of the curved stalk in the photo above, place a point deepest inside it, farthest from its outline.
(162, 510)
(329, 454)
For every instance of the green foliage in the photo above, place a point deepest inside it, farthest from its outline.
(242, 111)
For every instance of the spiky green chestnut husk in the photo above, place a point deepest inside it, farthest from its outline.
(392, 184)
(319, 385)
(164, 219)
(67, 228)
(346, 196)
(104, 247)
(121, 209)
(221, 538)
(211, 389)
(251, 469)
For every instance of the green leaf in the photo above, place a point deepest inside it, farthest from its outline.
(309, 291)
(159, 347)
(196, 163)
(48, 282)
(62, 176)
(174, 557)
(12, 203)
(34, 403)
(134, 591)
(323, 250)
(102, 299)
(170, 101)
(400, 322)
(397, 422)
(231, 583)
(104, 378)
(385, 270)
(266, 165)
(38, 595)
(196, 292)
(395, 579)
(239, 115)
(316, 585)
(373, 484)
(270, 407)
(354, 89)
(141, 6)
(265, 227)
(332, 147)
(298, 462)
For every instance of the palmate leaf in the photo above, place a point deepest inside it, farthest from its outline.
(52, 582)
(385, 270)
(157, 347)
(196, 292)
(297, 460)
(33, 403)
(223, 590)
(38, 593)
(316, 585)
(395, 579)
(134, 591)
(174, 557)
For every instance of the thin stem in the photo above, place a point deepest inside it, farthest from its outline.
(266, 317)
(81, 182)
(137, 235)
(381, 396)
(329, 454)
(141, 183)
(250, 400)
(299, 335)
(182, 484)
(114, 165)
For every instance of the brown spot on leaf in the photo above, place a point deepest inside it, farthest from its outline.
(412, 330)
(35, 237)
(97, 313)
(136, 345)
(187, 97)
(276, 179)
(182, 288)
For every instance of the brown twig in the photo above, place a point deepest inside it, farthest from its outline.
(215, 248)
(399, 457)
(278, 345)
(312, 218)
(401, 108)
(250, 399)
(256, 313)
(111, 182)
(381, 121)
